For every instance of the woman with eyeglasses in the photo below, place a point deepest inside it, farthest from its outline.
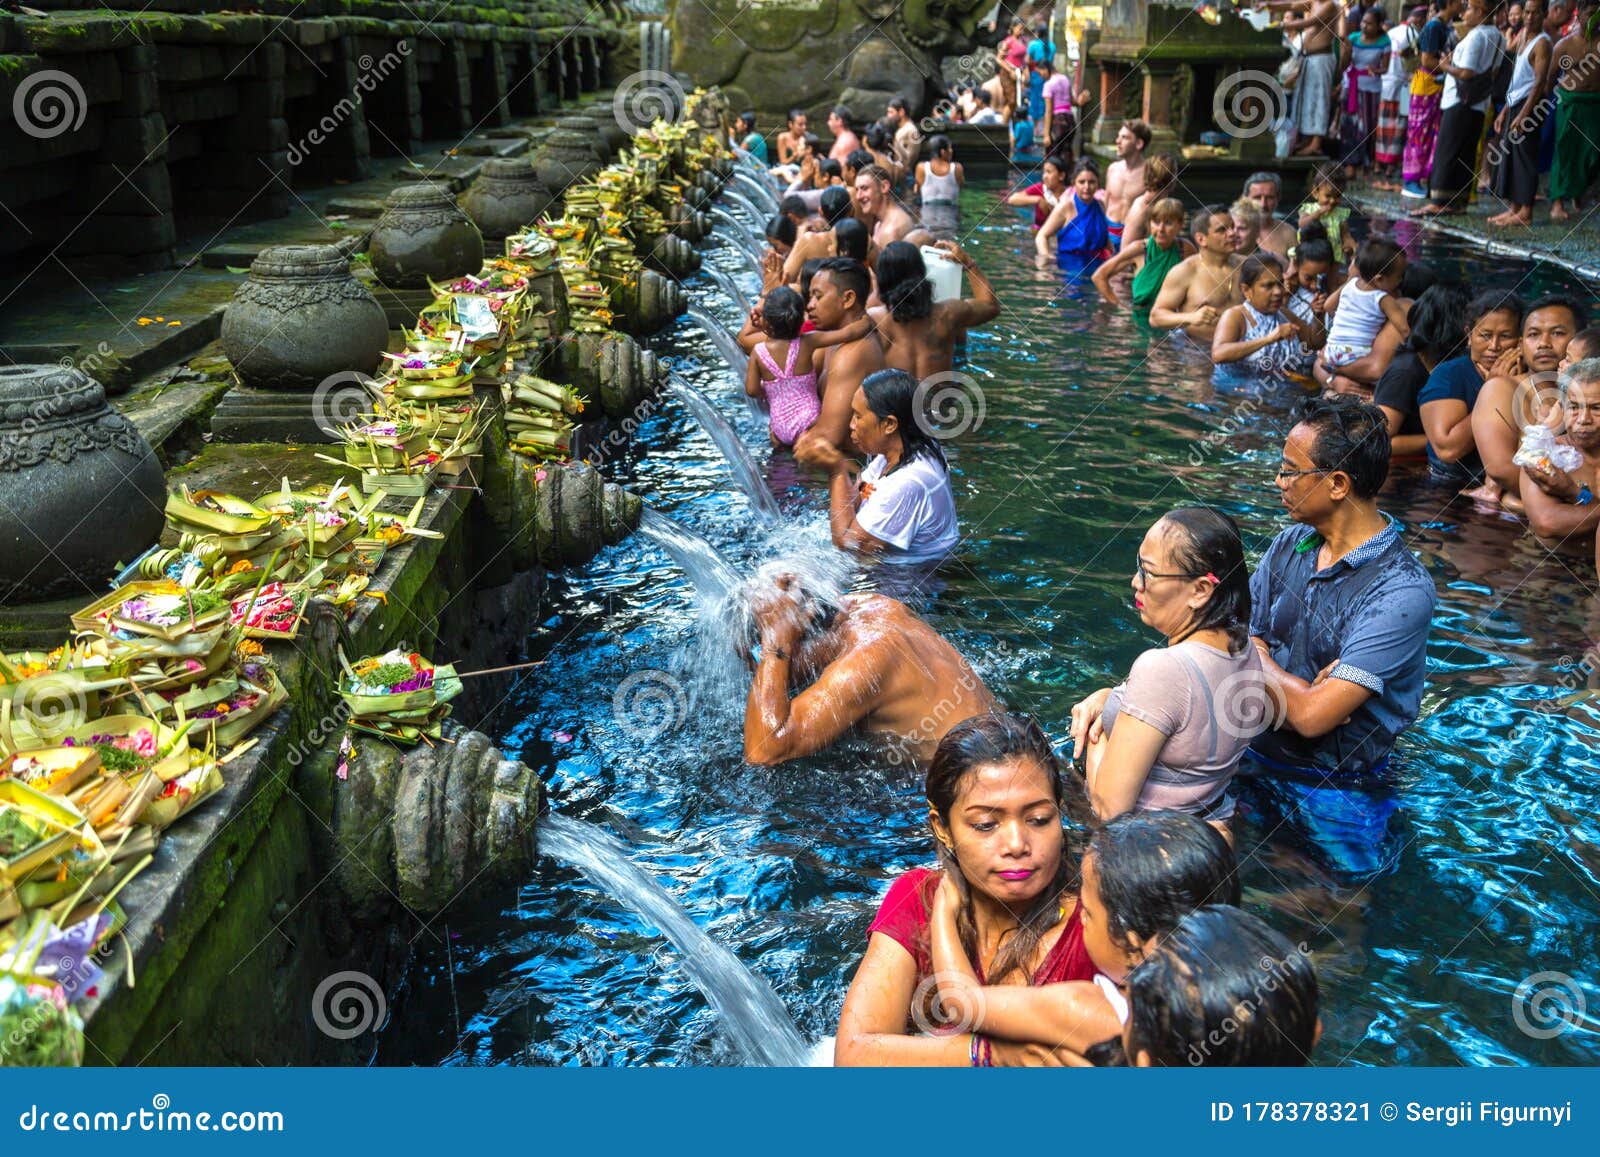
(1172, 734)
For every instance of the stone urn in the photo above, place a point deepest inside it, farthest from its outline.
(609, 368)
(301, 317)
(571, 153)
(505, 198)
(423, 234)
(80, 489)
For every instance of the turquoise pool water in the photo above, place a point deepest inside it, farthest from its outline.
(1092, 429)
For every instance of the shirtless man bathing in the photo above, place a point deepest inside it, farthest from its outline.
(839, 291)
(1125, 177)
(862, 662)
(1199, 288)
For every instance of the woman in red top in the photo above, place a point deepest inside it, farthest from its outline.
(995, 804)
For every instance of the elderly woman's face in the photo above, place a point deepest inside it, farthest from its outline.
(1490, 336)
(1165, 596)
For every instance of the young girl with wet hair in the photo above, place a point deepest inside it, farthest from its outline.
(1222, 989)
(791, 396)
(1143, 872)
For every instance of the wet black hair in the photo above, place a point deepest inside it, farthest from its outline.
(1152, 868)
(748, 119)
(1418, 280)
(1314, 249)
(1376, 256)
(898, 103)
(1252, 267)
(1086, 165)
(829, 167)
(1438, 321)
(851, 239)
(1495, 301)
(794, 204)
(981, 95)
(1572, 305)
(1223, 989)
(813, 142)
(795, 114)
(1350, 436)
(1058, 160)
(842, 111)
(903, 283)
(835, 204)
(783, 311)
(781, 229)
(896, 394)
(1200, 220)
(1330, 174)
(808, 270)
(879, 137)
(981, 741)
(850, 276)
(938, 143)
(1210, 544)
(1315, 231)
(859, 159)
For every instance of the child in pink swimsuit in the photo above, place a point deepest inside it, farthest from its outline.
(791, 397)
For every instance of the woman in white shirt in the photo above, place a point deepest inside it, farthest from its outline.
(902, 506)
(1470, 70)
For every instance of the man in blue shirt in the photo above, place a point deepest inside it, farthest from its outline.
(1340, 610)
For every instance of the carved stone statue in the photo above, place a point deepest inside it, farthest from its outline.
(774, 55)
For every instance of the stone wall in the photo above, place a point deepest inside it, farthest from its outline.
(135, 128)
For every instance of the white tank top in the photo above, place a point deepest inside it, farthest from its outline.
(937, 188)
(1522, 73)
(1359, 316)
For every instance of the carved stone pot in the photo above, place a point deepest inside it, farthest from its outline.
(670, 254)
(571, 153)
(505, 198)
(301, 317)
(423, 234)
(80, 488)
(609, 368)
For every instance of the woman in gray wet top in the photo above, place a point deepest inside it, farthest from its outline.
(1172, 734)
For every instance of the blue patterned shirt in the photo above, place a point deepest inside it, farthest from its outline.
(1370, 611)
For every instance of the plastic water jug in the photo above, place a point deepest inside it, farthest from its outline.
(944, 274)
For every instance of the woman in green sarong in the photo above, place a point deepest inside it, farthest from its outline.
(1152, 261)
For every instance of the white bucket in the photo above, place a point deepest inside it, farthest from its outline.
(944, 274)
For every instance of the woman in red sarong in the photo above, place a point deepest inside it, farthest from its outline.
(995, 804)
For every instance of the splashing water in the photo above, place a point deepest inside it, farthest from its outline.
(714, 578)
(759, 191)
(740, 201)
(739, 236)
(752, 1014)
(725, 282)
(743, 467)
(727, 345)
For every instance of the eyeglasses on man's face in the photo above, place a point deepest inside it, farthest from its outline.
(1286, 474)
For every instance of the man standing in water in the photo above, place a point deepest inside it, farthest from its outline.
(864, 661)
(877, 209)
(839, 291)
(1339, 610)
(1125, 177)
(1266, 190)
(1199, 288)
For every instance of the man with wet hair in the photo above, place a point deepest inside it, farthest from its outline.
(838, 297)
(836, 205)
(1199, 288)
(877, 209)
(907, 136)
(1339, 611)
(845, 141)
(828, 667)
(1561, 503)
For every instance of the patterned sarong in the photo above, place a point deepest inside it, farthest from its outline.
(1391, 139)
(1422, 128)
(1314, 94)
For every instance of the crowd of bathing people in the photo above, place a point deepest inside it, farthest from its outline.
(1085, 907)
